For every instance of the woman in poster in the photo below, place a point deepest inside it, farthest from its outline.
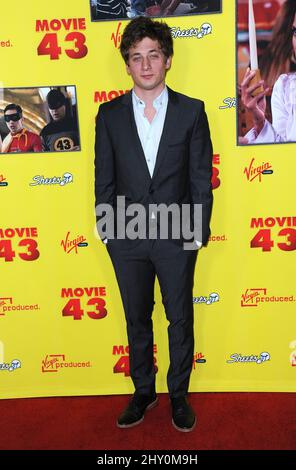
(283, 99)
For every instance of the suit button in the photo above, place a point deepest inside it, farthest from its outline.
(151, 191)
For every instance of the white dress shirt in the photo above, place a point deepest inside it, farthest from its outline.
(150, 133)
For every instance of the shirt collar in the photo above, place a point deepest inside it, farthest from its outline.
(159, 101)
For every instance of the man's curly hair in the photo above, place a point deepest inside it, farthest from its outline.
(143, 27)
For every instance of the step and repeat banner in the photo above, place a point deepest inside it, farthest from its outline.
(62, 326)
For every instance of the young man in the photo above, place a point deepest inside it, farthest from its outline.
(19, 139)
(153, 146)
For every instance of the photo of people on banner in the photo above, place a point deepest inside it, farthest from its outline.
(38, 120)
(266, 60)
(128, 9)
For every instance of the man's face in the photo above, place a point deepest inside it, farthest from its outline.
(14, 121)
(58, 113)
(147, 64)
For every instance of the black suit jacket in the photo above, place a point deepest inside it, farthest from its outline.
(183, 167)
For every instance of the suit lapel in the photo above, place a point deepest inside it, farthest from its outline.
(169, 128)
(170, 125)
(134, 136)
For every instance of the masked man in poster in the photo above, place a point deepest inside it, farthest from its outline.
(153, 146)
(61, 134)
(19, 139)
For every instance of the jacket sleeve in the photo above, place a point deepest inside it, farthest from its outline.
(200, 168)
(104, 167)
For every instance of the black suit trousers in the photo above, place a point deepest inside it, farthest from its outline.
(136, 267)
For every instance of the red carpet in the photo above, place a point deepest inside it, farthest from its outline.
(226, 421)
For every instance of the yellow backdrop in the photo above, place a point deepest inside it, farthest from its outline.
(62, 327)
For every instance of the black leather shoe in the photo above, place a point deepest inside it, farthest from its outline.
(134, 413)
(183, 415)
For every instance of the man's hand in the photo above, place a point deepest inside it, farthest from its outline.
(255, 104)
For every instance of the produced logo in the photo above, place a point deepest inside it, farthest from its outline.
(7, 43)
(228, 103)
(104, 95)
(198, 358)
(208, 300)
(4, 302)
(71, 245)
(259, 359)
(7, 306)
(217, 238)
(198, 33)
(66, 178)
(254, 171)
(84, 300)
(57, 362)
(3, 181)
(274, 229)
(254, 297)
(293, 353)
(19, 242)
(122, 365)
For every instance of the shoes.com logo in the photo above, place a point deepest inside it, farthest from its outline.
(8, 366)
(122, 365)
(208, 300)
(254, 297)
(57, 362)
(255, 359)
(39, 180)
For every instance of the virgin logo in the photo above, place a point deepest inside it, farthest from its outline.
(49, 364)
(70, 245)
(253, 171)
(116, 37)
